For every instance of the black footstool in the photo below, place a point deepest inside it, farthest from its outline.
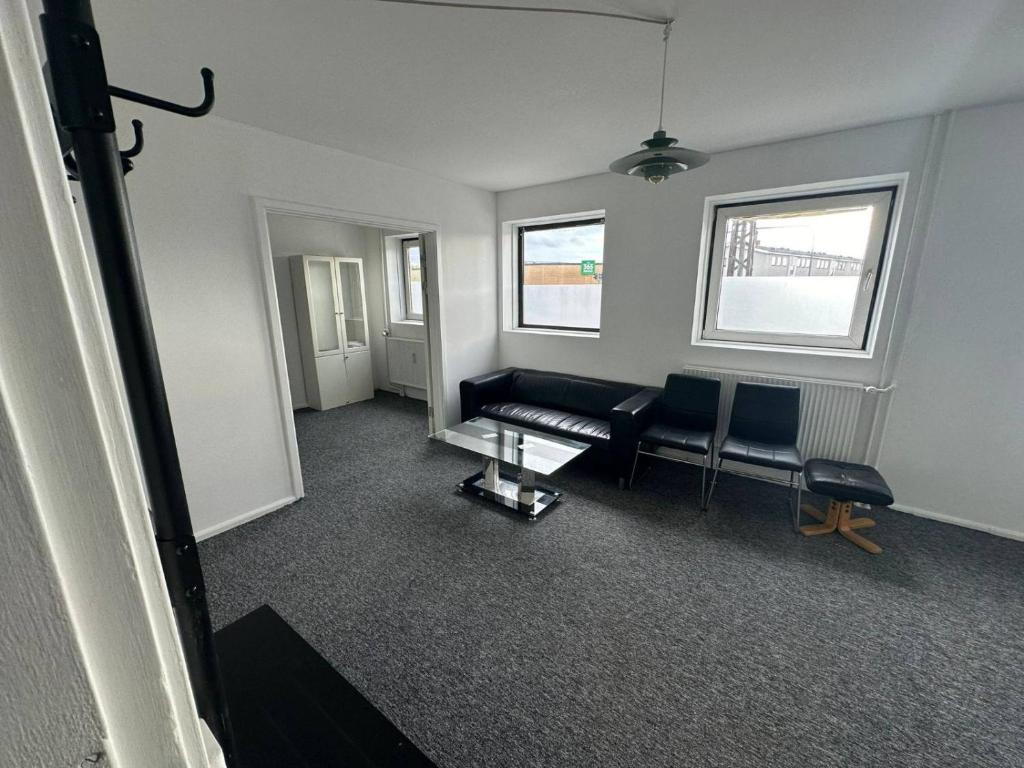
(844, 483)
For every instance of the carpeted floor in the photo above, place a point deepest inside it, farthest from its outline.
(625, 628)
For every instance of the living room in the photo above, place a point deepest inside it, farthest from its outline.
(619, 595)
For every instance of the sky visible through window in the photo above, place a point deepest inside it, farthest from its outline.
(570, 245)
(839, 233)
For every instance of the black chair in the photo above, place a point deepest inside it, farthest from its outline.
(762, 431)
(684, 418)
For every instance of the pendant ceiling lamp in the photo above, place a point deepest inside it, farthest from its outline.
(660, 157)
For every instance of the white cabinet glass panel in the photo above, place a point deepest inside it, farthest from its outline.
(330, 307)
(323, 306)
(350, 285)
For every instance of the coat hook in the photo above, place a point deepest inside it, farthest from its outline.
(167, 106)
(126, 163)
(135, 148)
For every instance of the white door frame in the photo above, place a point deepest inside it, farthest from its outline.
(262, 208)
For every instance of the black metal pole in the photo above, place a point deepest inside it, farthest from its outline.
(83, 106)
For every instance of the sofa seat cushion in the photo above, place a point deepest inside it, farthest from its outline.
(786, 457)
(692, 440)
(572, 425)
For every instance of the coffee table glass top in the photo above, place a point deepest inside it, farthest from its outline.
(522, 447)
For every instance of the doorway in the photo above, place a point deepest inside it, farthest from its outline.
(386, 291)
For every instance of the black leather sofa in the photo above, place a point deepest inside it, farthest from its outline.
(607, 414)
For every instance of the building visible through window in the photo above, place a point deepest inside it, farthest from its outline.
(797, 271)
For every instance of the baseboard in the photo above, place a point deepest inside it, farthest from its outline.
(245, 517)
(942, 518)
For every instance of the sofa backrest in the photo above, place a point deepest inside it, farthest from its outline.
(564, 392)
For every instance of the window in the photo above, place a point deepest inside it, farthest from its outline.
(412, 278)
(838, 236)
(561, 266)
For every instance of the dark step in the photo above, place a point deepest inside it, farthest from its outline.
(291, 709)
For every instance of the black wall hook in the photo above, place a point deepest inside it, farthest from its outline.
(167, 106)
(137, 146)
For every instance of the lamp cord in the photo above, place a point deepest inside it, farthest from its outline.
(664, 69)
(530, 8)
(667, 23)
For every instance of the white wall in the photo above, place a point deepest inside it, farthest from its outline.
(954, 440)
(652, 251)
(290, 235)
(190, 196)
(958, 399)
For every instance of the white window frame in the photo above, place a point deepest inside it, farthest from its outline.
(511, 270)
(403, 247)
(875, 278)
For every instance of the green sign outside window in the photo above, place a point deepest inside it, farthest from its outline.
(588, 267)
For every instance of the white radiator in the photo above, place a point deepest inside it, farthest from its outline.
(829, 411)
(407, 362)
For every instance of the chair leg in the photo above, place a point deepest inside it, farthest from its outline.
(632, 474)
(714, 480)
(703, 477)
(799, 490)
(828, 523)
(848, 525)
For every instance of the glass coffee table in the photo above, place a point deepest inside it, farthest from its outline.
(525, 452)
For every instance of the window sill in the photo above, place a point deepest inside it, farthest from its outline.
(555, 332)
(817, 351)
(408, 322)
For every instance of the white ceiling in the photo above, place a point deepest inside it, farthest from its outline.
(502, 100)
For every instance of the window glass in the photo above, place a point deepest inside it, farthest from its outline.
(412, 277)
(561, 268)
(797, 271)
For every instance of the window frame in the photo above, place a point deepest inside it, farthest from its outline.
(520, 229)
(407, 313)
(893, 184)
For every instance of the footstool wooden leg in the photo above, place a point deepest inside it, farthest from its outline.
(829, 523)
(847, 527)
(812, 511)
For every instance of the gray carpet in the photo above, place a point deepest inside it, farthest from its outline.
(626, 628)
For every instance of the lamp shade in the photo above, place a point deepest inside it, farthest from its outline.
(659, 160)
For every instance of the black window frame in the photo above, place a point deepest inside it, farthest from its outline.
(892, 188)
(521, 269)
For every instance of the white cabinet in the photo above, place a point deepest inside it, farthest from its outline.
(330, 307)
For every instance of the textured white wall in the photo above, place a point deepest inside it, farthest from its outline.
(48, 715)
(190, 195)
(954, 440)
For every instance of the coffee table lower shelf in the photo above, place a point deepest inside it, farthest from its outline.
(515, 491)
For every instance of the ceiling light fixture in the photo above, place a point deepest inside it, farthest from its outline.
(660, 158)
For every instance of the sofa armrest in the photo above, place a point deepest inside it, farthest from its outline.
(489, 388)
(636, 412)
(629, 419)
